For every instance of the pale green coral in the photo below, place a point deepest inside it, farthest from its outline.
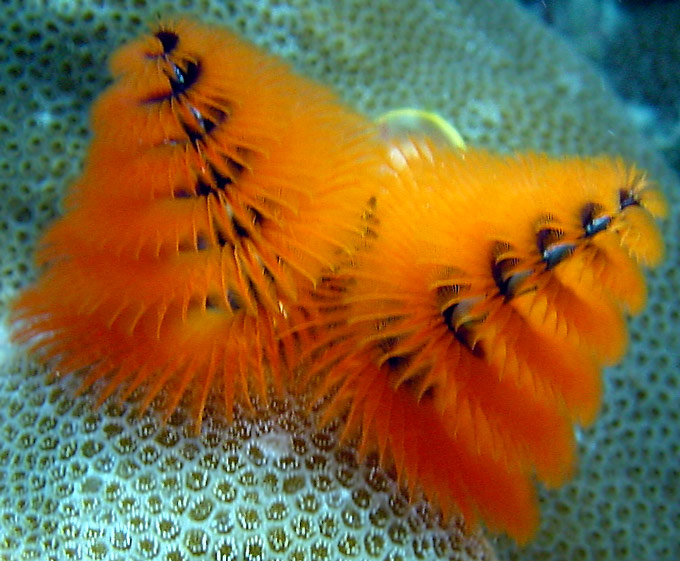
(75, 484)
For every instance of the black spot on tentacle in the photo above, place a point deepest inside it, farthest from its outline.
(203, 189)
(505, 279)
(546, 237)
(396, 362)
(241, 231)
(268, 275)
(222, 182)
(593, 221)
(627, 198)
(464, 333)
(184, 78)
(236, 167)
(212, 119)
(447, 314)
(254, 292)
(222, 240)
(210, 184)
(208, 125)
(234, 301)
(180, 80)
(557, 253)
(194, 135)
(181, 194)
(552, 250)
(201, 242)
(168, 39)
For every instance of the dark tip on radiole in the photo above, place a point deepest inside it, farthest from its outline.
(184, 78)
(240, 230)
(552, 250)
(463, 331)
(203, 189)
(234, 301)
(509, 281)
(546, 237)
(221, 181)
(501, 271)
(169, 40)
(179, 80)
(396, 362)
(627, 198)
(592, 223)
(557, 253)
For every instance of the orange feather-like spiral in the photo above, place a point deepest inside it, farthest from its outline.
(472, 330)
(218, 183)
